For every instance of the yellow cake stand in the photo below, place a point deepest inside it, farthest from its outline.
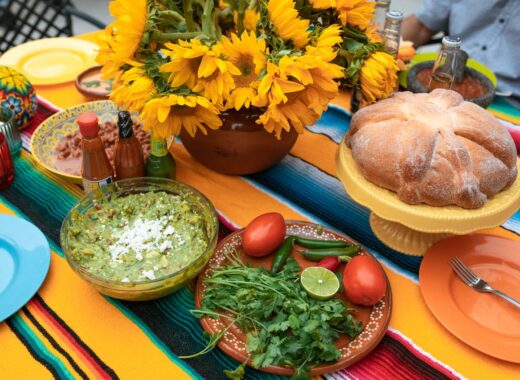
(412, 229)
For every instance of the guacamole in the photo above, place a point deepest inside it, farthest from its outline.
(138, 237)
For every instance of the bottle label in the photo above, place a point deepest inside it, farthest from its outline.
(159, 147)
(89, 186)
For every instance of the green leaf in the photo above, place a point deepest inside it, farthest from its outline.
(237, 374)
(311, 325)
(351, 44)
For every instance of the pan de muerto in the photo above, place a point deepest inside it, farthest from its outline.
(433, 148)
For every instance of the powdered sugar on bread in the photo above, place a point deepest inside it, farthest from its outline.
(433, 148)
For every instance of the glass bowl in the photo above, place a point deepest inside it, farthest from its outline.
(161, 286)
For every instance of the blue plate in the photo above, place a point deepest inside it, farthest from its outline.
(24, 262)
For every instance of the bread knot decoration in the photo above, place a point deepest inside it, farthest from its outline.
(433, 148)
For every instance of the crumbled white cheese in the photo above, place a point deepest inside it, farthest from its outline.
(126, 279)
(149, 274)
(143, 236)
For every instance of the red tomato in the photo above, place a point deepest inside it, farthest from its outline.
(264, 234)
(364, 281)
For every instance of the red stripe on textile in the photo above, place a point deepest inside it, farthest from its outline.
(226, 222)
(88, 358)
(432, 363)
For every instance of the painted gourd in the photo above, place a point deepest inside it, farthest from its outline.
(17, 94)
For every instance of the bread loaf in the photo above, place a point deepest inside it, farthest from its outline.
(433, 148)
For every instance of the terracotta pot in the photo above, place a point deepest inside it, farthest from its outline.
(240, 146)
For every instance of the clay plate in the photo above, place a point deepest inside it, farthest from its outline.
(375, 319)
(94, 73)
(482, 320)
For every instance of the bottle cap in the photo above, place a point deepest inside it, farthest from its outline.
(450, 41)
(88, 124)
(394, 15)
(124, 121)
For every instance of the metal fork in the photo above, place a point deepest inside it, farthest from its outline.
(475, 282)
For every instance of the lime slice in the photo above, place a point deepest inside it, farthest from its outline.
(320, 283)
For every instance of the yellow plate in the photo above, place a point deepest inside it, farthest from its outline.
(52, 130)
(51, 60)
(424, 218)
(422, 57)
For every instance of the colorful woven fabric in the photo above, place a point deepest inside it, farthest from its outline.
(68, 330)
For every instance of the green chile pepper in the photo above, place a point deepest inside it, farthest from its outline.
(311, 243)
(320, 253)
(280, 257)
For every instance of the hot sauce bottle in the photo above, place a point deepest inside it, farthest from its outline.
(129, 157)
(160, 163)
(95, 166)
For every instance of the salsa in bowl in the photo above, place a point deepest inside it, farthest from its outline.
(141, 238)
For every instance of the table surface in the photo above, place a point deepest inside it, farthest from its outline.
(68, 330)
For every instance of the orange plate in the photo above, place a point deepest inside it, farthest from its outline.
(484, 321)
(375, 319)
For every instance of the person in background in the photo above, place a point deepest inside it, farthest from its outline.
(490, 32)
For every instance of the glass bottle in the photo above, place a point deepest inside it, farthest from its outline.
(160, 162)
(95, 166)
(382, 7)
(129, 159)
(9, 128)
(392, 32)
(443, 72)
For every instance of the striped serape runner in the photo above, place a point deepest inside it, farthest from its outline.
(68, 330)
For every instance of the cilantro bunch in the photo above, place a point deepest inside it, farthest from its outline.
(284, 326)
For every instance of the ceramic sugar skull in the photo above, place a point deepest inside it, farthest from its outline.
(17, 93)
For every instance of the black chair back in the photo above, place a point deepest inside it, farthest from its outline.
(26, 20)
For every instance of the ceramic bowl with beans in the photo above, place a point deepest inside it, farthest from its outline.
(56, 143)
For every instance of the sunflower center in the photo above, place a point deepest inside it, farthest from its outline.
(246, 66)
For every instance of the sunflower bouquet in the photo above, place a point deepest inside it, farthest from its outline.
(181, 63)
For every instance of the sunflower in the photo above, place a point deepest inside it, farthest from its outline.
(247, 53)
(135, 89)
(356, 12)
(275, 85)
(287, 24)
(294, 113)
(324, 47)
(166, 115)
(378, 77)
(122, 37)
(200, 67)
(308, 97)
(251, 18)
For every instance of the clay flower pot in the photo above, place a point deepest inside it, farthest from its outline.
(240, 146)
(415, 85)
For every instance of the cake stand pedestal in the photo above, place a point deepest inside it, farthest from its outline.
(413, 229)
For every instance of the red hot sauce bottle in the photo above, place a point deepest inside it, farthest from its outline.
(95, 166)
(129, 157)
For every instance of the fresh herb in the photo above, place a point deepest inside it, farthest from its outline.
(92, 83)
(238, 373)
(283, 325)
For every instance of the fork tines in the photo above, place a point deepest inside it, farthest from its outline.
(463, 271)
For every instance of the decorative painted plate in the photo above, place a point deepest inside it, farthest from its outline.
(51, 60)
(52, 130)
(375, 319)
(484, 321)
(24, 262)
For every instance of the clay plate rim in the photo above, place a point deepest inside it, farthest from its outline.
(378, 335)
(84, 90)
